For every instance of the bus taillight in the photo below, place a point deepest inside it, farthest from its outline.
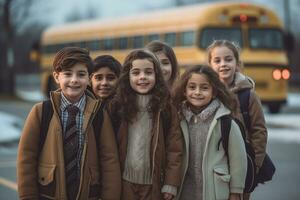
(277, 74)
(281, 74)
(286, 74)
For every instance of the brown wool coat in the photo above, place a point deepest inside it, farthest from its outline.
(166, 153)
(257, 134)
(43, 174)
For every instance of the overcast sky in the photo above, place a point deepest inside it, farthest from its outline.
(58, 10)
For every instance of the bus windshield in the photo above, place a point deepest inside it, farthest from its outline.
(265, 38)
(208, 35)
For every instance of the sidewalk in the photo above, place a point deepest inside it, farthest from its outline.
(11, 127)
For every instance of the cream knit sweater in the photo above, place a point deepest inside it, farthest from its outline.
(137, 164)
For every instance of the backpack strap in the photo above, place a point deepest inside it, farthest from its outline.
(225, 130)
(97, 123)
(244, 96)
(47, 112)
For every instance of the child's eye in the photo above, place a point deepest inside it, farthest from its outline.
(111, 77)
(149, 72)
(228, 59)
(98, 77)
(165, 62)
(135, 72)
(67, 73)
(205, 87)
(192, 87)
(82, 74)
(216, 61)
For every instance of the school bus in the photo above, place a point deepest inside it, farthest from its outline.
(189, 30)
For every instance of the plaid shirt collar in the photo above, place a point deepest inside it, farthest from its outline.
(80, 104)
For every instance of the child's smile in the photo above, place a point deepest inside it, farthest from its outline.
(198, 92)
(73, 81)
(142, 76)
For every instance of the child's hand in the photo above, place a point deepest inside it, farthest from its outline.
(168, 196)
(234, 196)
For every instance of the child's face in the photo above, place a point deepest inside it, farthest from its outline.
(73, 81)
(224, 63)
(142, 76)
(165, 65)
(198, 92)
(104, 81)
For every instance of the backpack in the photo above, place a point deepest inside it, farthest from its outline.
(267, 169)
(250, 182)
(47, 112)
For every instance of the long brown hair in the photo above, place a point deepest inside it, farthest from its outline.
(125, 100)
(219, 89)
(158, 46)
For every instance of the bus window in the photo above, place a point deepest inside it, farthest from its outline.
(265, 39)
(83, 44)
(208, 35)
(123, 43)
(108, 44)
(94, 45)
(187, 38)
(170, 39)
(153, 37)
(137, 42)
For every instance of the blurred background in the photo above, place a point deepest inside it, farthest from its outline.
(26, 24)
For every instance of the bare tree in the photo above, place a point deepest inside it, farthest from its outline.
(13, 16)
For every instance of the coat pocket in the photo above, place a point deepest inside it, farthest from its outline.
(94, 186)
(221, 182)
(46, 181)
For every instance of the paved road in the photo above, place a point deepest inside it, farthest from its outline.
(285, 184)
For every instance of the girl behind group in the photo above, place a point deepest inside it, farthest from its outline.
(104, 77)
(167, 60)
(207, 172)
(223, 56)
(150, 153)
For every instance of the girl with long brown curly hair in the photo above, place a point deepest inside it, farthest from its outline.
(150, 148)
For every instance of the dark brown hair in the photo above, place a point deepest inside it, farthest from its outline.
(107, 61)
(67, 57)
(158, 46)
(125, 100)
(219, 89)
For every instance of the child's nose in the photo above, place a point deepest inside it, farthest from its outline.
(223, 63)
(74, 78)
(142, 75)
(104, 81)
(197, 91)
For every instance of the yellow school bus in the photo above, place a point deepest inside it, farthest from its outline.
(189, 30)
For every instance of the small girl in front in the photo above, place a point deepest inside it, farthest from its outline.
(208, 174)
(150, 153)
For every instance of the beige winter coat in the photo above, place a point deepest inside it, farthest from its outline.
(42, 174)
